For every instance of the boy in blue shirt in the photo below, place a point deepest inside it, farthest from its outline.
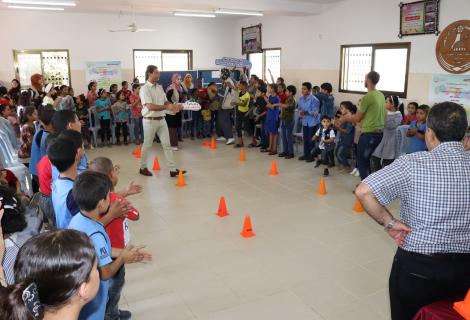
(91, 191)
(417, 130)
(309, 109)
(327, 101)
(38, 147)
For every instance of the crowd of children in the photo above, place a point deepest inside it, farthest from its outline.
(52, 132)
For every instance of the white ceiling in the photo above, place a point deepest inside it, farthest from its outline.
(158, 7)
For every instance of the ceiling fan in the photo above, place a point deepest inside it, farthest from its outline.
(133, 26)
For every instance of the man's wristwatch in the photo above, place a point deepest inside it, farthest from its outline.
(390, 225)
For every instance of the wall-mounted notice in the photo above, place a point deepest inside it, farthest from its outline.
(105, 73)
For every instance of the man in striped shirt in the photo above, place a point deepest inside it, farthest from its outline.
(432, 261)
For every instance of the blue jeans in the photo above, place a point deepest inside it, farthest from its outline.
(308, 133)
(206, 128)
(368, 142)
(116, 284)
(196, 124)
(287, 138)
(342, 154)
(138, 128)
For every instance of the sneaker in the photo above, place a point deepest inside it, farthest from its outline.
(317, 164)
(272, 153)
(326, 173)
(230, 141)
(264, 150)
(354, 171)
(175, 173)
(357, 174)
(220, 139)
(289, 156)
(145, 172)
(125, 315)
(174, 148)
(302, 158)
(282, 154)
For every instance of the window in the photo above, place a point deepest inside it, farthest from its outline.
(52, 64)
(165, 60)
(390, 60)
(266, 63)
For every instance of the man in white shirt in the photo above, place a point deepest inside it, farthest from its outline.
(155, 104)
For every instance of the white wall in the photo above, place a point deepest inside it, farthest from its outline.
(87, 38)
(311, 45)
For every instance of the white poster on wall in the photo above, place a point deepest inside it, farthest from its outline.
(105, 73)
(450, 87)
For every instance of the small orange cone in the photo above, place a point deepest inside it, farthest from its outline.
(134, 152)
(322, 187)
(358, 207)
(242, 154)
(213, 144)
(138, 154)
(156, 165)
(206, 144)
(137, 150)
(247, 231)
(222, 212)
(463, 307)
(180, 182)
(273, 171)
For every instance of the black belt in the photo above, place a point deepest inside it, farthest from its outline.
(373, 133)
(438, 256)
(154, 118)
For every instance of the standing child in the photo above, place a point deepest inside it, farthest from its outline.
(411, 115)
(326, 136)
(386, 152)
(113, 89)
(28, 117)
(243, 105)
(103, 107)
(206, 121)
(287, 122)
(121, 116)
(82, 114)
(272, 118)
(346, 136)
(281, 92)
(91, 192)
(417, 130)
(327, 101)
(136, 114)
(125, 89)
(118, 232)
(261, 110)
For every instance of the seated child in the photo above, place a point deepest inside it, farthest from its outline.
(91, 191)
(118, 232)
(345, 138)
(326, 136)
(28, 117)
(417, 130)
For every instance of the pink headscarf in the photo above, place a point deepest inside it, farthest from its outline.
(175, 83)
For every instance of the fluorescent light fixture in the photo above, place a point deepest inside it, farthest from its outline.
(37, 8)
(42, 3)
(240, 12)
(195, 14)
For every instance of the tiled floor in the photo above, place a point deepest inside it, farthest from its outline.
(312, 257)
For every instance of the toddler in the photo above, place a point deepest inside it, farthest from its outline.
(326, 137)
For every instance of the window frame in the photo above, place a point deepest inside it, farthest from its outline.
(376, 46)
(264, 60)
(163, 51)
(38, 51)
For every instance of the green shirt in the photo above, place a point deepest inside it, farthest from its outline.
(287, 114)
(373, 108)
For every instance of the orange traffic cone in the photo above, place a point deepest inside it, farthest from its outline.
(222, 212)
(180, 182)
(322, 187)
(273, 171)
(242, 154)
(358, 207)
(247, 231)
(138, 154)
(134, 152)
(213, 144)
(206, 144)
(463, 307)
(156, 165)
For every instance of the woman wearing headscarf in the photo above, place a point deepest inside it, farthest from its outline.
(37, 93)
(15, 90)
(188, 94)
(174, 94)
